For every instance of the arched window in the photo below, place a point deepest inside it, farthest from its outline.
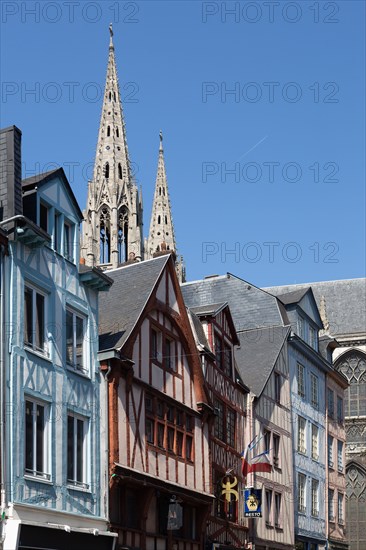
(108, 131)
(106, 170)
(123, 236)
(159, 190)
(104, 243)
(159, 220)
(117, 132)
(352, 364)
(119, 171)
(166, 220)
(114, 96)
(110, 96)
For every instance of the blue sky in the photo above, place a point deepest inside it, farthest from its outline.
(262, 109)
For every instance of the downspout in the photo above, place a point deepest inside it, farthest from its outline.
(106, 378)
(2, 398)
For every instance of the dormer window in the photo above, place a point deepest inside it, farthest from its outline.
(68, 242)
(43, 216)
(301, 327)
(313, 341)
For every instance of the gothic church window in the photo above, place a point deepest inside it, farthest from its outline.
(108, 131)
(159, 219)
(117, 132)
(110, 96)
(119, 171)
(123, 236)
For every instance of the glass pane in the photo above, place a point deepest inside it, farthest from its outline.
(70, 448)
(28, 316)
(69, 337)
(29, 435)
(40, 341)
(43, 217)
(79, 342)
(40, 438)
(79, 450)
(66, 241)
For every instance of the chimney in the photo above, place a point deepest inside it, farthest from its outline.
(10, 173)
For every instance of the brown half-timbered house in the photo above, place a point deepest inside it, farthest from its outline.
(158, 411)
(216, 337)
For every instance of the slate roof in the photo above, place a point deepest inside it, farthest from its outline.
(345, 302)
(292, 297)
(121, 307)
(249, 305)
(258, 353)
(209, 309)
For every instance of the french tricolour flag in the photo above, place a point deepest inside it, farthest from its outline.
(258, 463)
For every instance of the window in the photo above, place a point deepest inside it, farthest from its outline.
(331, 505)
(69, 242)
(168, 427)
(301, 498)
(56, 233)
(340, 456)
(300, 380)
(330, 403)
(75, 329)
(314, 391)
(169, 359)
(230, 427)
(76, 450)
(312, 337)
(36, 439)
(106, 170)
(314, 497)
(278, 502)
(314, 442)
(276, 450)
(301, 327)
(225, 421)
(155, 344)
(301, 435)
(108, 131)
(34, 319)
(277, 382)
(119, 171)
(340, 410)
(340, 508)
(223, 355)
(267, 440)
(43, 217)
(268, 507)
(330, 452)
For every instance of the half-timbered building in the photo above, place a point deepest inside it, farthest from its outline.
(262, 362)
(216, 337)
(160, 486)
(53, 440)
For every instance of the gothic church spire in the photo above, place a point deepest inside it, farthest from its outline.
(161, 237)
(112, 228)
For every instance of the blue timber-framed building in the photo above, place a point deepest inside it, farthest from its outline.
(53, 444)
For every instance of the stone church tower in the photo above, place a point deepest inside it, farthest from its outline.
(161, 237)
(112, 227)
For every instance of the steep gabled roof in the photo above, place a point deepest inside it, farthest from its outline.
(121, 307)
(257, 355)
(250, 306)
(209, 309)
(345, 302)
(33, 182)
(293, 297)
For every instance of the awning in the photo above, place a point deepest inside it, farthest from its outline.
(36, 537)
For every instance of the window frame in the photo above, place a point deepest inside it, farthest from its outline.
(340, 410)
(340, 460)
(45, 473)
(224, 430)
(330, 452)
(73, 364)
(301, 384)
(301, 422)
(34, 321)
(314, 442)
(278, 510)
(84, 481)
(314, 392)
(277, 387)
(315, 497)
(330, 401)
(301, 494)
(167, 420)
(276, 450)
(269, 508)
(340, 508)
(331, 514)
